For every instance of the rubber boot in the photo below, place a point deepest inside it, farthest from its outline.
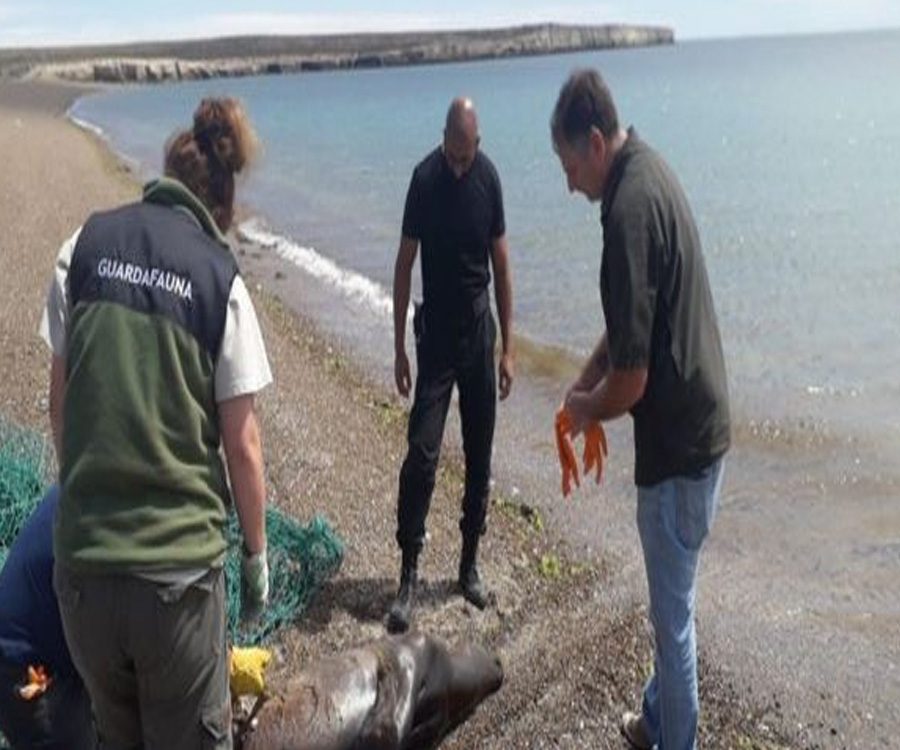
(401, 609)
(470, 584)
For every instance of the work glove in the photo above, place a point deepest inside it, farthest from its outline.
(566, 451)
(38, 682)
(595, 448)
(247, 671)
(254, 584)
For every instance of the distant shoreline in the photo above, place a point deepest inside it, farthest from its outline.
(151, 62)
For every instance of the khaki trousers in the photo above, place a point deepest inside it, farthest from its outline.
(153, 657)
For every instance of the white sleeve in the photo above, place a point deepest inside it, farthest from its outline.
(56, 311)
(243, 366)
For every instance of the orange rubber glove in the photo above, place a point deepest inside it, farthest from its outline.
(566, 451)
(38, 682)
(595, 449)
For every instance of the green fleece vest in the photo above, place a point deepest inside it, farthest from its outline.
(143, 484)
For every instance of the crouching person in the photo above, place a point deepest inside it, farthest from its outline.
(43, 702)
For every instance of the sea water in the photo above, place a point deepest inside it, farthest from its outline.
(788, 149)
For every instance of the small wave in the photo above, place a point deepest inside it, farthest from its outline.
(832, 391)
(537, 359)
(130, 164)
(85, 125)
(785, 432)
(357, 287)
(546, 361)
(782, 430)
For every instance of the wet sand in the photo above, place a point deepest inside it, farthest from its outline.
(575, 645)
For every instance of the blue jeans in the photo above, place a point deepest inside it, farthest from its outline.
(674, 517)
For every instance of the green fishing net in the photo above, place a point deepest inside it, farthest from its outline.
(24, 475)
(25, 465)
(301, 557)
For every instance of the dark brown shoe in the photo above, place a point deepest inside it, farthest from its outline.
(472, 588)
(635, 732)
(470, 585)
(402, 607)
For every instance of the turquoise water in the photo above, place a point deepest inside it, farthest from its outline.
(788, 148)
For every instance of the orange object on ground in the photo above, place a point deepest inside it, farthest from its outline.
(38, 682)
(566, 450)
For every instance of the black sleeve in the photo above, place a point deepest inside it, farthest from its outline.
(412, 211)
(498, 222)
(628, 285)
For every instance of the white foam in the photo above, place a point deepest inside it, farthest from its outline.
(355, 286)
(85, 125)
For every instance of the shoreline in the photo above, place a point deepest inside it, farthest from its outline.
(318, 385)
(152, 62)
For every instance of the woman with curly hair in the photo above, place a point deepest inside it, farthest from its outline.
(157, 357)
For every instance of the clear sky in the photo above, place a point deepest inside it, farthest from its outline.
(58, 22)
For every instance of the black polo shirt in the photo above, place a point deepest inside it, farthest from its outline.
(659, 315)
(455, 221)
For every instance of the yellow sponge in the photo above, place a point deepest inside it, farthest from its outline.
(247, 671)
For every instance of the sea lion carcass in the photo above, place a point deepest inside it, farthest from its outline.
(399, 693)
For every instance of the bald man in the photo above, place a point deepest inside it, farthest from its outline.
(454, 211)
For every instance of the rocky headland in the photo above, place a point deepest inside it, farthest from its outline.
(243, 56)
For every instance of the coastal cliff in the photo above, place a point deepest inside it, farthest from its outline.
(242, 56)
